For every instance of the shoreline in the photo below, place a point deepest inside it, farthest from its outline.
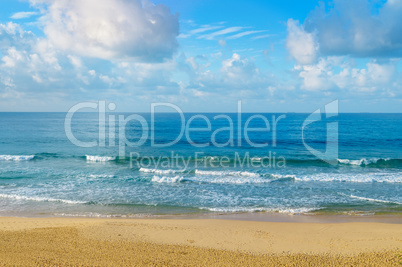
(303, 218)
(237, 216)
(104, 241)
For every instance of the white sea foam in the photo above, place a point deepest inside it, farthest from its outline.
(353, 178)
(96, 176)
(246, 179)
(289, 211)
(165, 179)
(159, 171)
(16, 157)
(236, 209)
(216, 177)
(297, 210)
(358, 213)
(375, 200)
(41, 199)
(201, 172)
(101, 215)
(99, 158)
(234, 180)
(280, 176)
(229, 177)
(227, 173)
(359, 162)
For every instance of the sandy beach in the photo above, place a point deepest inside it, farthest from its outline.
(196, 242)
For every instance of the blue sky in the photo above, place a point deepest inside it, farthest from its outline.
(275, 56)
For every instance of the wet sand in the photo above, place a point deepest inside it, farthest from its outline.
(196, 242)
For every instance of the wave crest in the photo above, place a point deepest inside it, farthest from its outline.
(356, 178)
(99, 158)
(16, 157)
(227, 173)
(375, 200)
(373, 162)
(158, 171)
(290, 211)
(41, 199)
(165, 179)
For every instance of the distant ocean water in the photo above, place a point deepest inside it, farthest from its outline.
(43, 173)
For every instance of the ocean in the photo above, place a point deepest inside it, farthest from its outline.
(154, 166)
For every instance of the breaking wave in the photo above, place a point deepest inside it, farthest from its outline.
(16, 157)
(99, 158)
(375, 200)
(373, 162)
(165, 179)
(41, 199)
(289, 211)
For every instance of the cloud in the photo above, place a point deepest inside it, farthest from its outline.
(12, 57)
(337, 73)
(351, 28)
(238, 77)
(332, 36)
(11, 34)
(237, 68)
(111, 29)
(262, 36)
(36, 70)
(149, 76)
(211, 36)
(203, 28)
(301, 44)
(23, 15)
(222, 42)
(75, 61)
(242, 34)
(315, 77)
(374, 77)
(207, 32)
(30, 66)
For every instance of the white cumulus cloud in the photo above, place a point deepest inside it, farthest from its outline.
(351, 28)
(336, 73)
(111, 29)
(238, 77)
(301, 44)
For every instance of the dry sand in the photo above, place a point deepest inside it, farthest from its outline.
(196, 242)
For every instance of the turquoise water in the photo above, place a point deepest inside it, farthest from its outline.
(43, 173)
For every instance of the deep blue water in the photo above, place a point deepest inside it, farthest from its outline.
(43, 172)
